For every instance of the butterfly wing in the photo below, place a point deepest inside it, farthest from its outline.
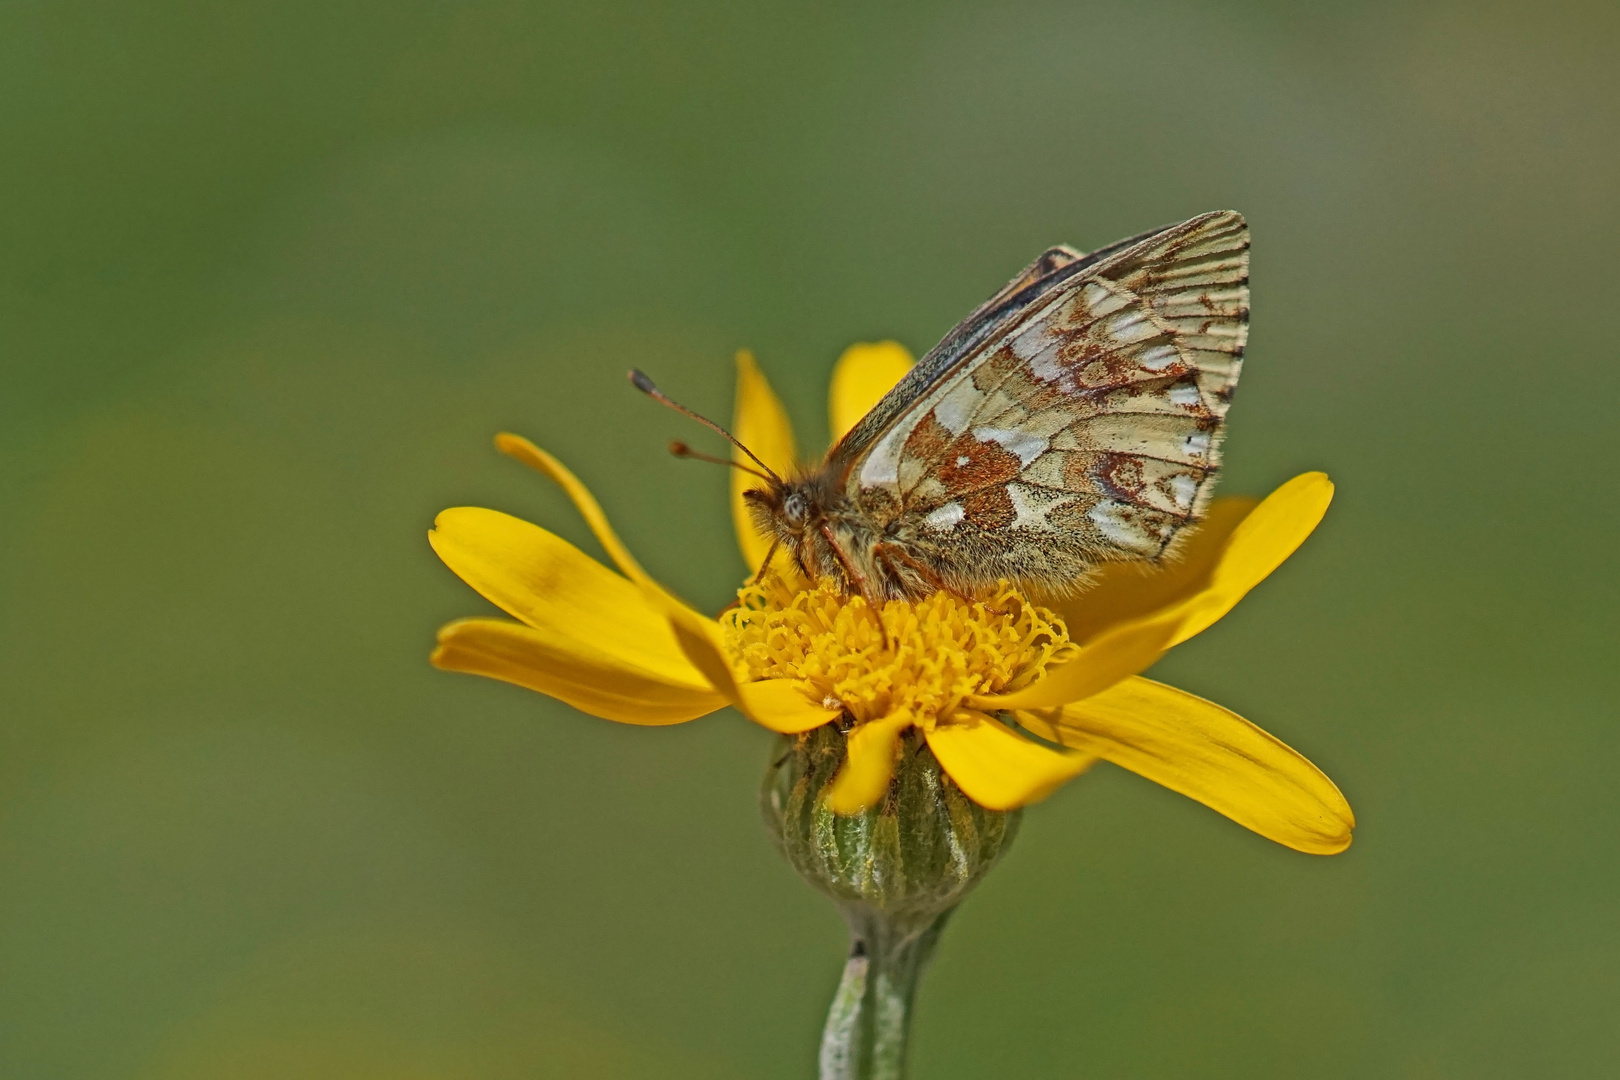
(1076, 418)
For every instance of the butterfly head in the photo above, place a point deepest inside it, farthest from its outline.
(785, 509)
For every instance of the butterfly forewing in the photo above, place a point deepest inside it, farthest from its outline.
(1080, 421)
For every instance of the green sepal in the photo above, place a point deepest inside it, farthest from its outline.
(912, 857)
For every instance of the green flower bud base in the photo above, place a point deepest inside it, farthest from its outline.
(896, 872)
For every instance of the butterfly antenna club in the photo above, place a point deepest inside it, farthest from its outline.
(639, 380)
(682, 450)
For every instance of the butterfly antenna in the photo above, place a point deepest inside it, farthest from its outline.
(639, 380)
(681, 450)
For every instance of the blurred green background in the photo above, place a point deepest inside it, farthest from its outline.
(271, 275)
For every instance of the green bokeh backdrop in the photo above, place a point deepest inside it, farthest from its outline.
(271, 275)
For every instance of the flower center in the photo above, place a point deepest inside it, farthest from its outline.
(927, 655)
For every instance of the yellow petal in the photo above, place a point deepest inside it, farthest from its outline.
(523, 450)
(762, 425)
(1122, 591)
(1117, 654)
(576, 604)
(602, 684)
(516, 446)
(868, 764)
(782, 706)
(777, 704)
(1260, 544)
(995, 767)
(864, 373)
(1210, 754)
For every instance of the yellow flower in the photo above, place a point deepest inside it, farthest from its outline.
(975, 679)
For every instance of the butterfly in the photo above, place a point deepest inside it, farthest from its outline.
(1074, 418)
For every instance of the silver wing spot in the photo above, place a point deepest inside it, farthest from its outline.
(945, 518)
(1131, 327)
(1032, 504)
(882, 466)
(1158, 357)
(1183, 488)
(1026, 445)
(1032, 342)
(1185, 393)
(1099, 300)
(958, 405)
(1122, 524)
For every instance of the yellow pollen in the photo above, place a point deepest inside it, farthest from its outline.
(937, 651)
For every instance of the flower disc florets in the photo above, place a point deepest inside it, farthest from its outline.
(925, 658)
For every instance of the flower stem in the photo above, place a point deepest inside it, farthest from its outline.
(870, 1019)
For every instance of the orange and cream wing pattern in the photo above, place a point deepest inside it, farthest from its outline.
(1085, 420)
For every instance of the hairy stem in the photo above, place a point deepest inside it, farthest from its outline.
(870, 1019)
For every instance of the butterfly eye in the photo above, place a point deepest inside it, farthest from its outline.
(795, 511)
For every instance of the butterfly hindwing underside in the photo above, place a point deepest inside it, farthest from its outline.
(1075, 418)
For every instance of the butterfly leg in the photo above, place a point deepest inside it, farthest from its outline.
(759, 576)
(897, 557)
(859, 581)
(766, 564)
